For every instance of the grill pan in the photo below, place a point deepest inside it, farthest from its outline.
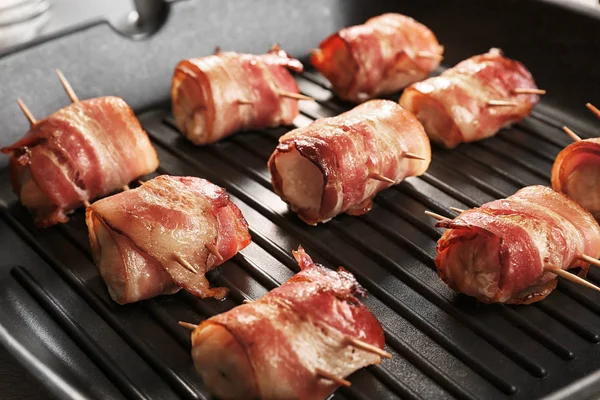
(57, 319)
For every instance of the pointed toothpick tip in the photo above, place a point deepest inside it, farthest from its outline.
(502, 103)
(571, 277)
(571, 134)
(593, 109)
(331, 377)
(590, 260)
(86, 203)
(379, 177)
(26, 112)
(188, 325)
(412, 156)
(67, 86)
(184, 263)
(368, 347)
(292, 95)
(436, 216)
(214, 251)
(529, 91)
(458, 210)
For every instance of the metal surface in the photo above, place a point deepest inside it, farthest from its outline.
(22, 21)
(57, 318)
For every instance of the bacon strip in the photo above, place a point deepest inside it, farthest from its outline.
(576, 173)
(453, 107)
(380, 57)
(327, 167)
(218, 95)
(498, 252)
(140, 236)
(81, 152)
(272, 348)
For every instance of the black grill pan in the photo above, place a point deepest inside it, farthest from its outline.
(56, 317)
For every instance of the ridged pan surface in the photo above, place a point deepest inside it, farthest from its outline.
(444, 345)
(55, 313)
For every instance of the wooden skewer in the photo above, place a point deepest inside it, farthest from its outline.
(331, 377)
(27, 113)
(436, 216)
(412, 156)
(247, 301)
(528, 91)
(502, 103)
(379, 177)
(428, 54)
(571, 134)
(573, 278)
(292, 95)
(458, 210)
(67, 86)
(368, 347)
(213, 249)
(125, 188)
(86, 203)
(243, 102)
(184, 263)
(188, 325)
(141, 182)
(593, 109)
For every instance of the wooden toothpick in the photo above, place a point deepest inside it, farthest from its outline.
(412, 156)
(214, 251)
(184, 263)
(292, 95)
(368, 347)
(528, 91)
(436, 216)
(591, 260)
(379, 177)
(331, 377)
(593, 109)
(26, 112)
(573, 278)
(502, 103)
(188, 325)
(67, 86)
(571, 134)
